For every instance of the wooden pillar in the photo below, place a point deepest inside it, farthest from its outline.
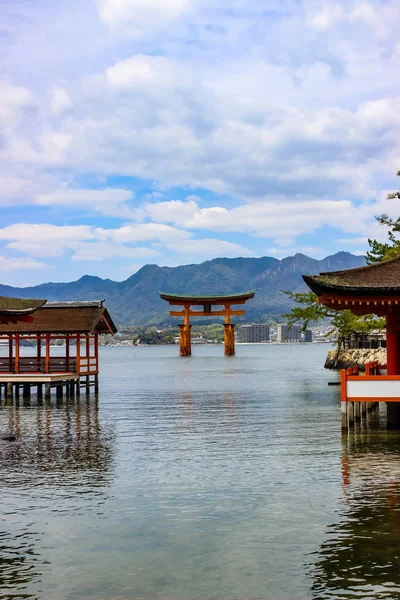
(184, 334)
(78, 352)
(87, 350)
(392, 359)
(67, 351)
(357, 413)
(229, 339)
(17, 352)
(39, 391)
(96, 350)
(26, 391)
(350, 411)
(47, 368)
(229, 333)
(9, 393)
(47, 390)
(344, 415)
(39, 352)
(96, 383)
(10, 353)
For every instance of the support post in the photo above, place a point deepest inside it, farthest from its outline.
(26, 390)
(9, 393)
(78, 352)
(96, 384)
(10, 353)
(67, 351)
(39, 353)
(47, 390)
(229, 339)
(184, 334)
(47, 369)
(96, 350)
(343, 398)
(17, 352)
(351, 412)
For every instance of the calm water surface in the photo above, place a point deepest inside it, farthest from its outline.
(199, 478)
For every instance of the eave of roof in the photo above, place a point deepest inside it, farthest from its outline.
(19, 306)
(377, 279)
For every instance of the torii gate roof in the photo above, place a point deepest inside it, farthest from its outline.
(216, 299)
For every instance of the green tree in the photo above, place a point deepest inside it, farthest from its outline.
(380, 251)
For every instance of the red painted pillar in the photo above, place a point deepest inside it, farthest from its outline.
(392, 350)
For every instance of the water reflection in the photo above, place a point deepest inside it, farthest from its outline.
(59, 464)
(361, 555)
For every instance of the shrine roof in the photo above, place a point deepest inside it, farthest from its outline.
(18, 306)
(209, 298)
(65, 317)
(378, 279)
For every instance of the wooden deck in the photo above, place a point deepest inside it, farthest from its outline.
(38, 378)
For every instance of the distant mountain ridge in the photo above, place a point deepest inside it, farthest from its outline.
(135, 301)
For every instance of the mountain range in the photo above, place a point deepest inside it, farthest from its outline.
(135, 301)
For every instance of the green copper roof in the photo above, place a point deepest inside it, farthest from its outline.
(18, 306)
(210, 297)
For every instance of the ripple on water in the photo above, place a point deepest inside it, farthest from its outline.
(200, 478)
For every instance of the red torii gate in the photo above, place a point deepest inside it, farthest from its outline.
(207, 302)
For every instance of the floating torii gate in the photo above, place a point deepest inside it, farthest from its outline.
(206, 302)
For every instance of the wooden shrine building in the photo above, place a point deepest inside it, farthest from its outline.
(207, 302)
(76, 324)
(365, 290)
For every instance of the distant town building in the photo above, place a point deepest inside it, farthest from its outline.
(253, 333)
(289, 335)
(294, 334)
(308, 335)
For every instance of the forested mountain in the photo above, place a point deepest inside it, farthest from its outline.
(135, 301)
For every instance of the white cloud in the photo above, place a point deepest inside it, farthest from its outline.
(107, 201)
(24, 263)
(95, 251)
(207, 248)
(44, 239)
(59, 100)
(139, 17)
(332, 13)
(143, 232)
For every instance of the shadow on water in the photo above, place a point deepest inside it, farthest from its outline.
(360, 557)
(60, 453)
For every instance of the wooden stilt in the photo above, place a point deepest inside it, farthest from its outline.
(351, 412)
(357, 412)
(16, 392)
(96, 383)
(9, 393)
(26, 390)
(344, 415)
(47, 391)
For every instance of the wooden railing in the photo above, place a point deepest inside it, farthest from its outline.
(375, 386)
(31, 364)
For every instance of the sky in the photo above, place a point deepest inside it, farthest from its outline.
(177, 131)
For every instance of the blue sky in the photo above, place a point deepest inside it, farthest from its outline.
(176, 131)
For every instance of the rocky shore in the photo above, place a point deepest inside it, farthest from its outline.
(352, 358)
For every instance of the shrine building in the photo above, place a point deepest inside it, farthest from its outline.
(365, 290)
(76, 325)
(207, 302)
